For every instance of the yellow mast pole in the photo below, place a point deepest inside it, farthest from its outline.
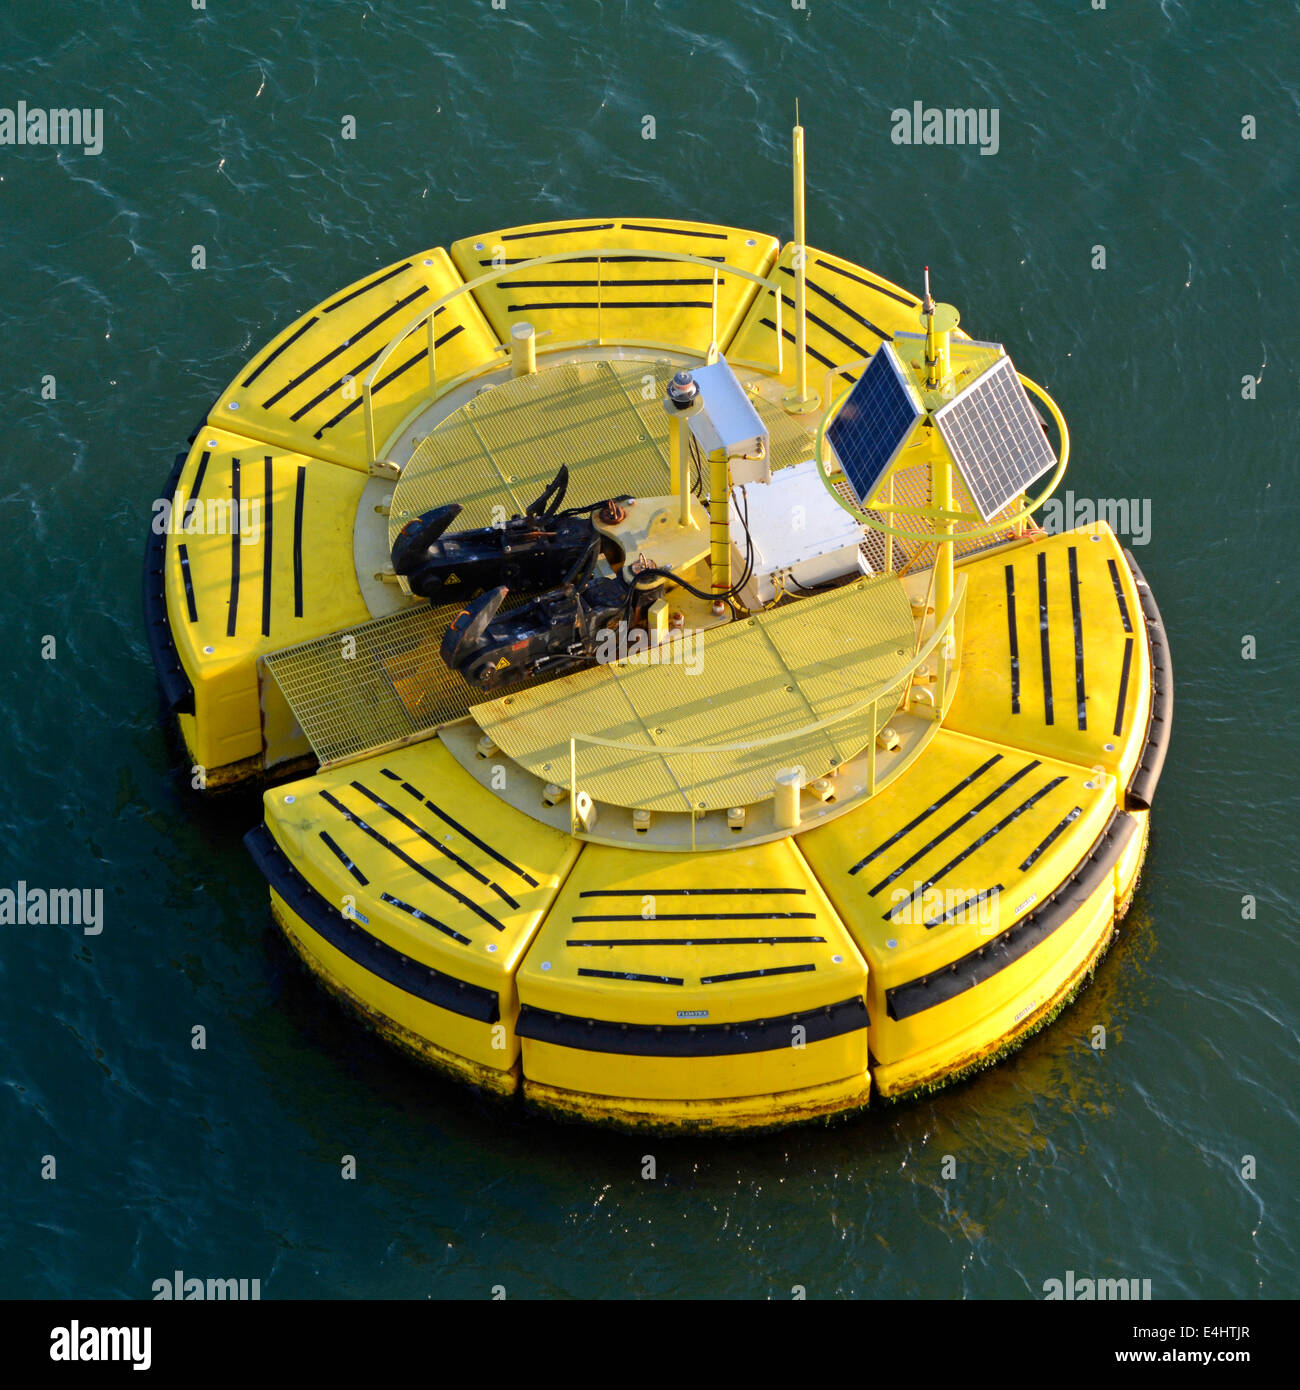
(940, 468)
(798, 401)
(720, 524)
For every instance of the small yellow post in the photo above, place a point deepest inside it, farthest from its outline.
(798, 401)
(720, 521)
(523, 350)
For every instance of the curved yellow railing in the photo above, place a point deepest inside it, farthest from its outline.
(426, 316)
(947, 626)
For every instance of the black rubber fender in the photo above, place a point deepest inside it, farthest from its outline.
(177, 691)
(1142, 785)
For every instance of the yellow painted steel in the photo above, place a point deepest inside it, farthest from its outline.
(694, 939)
(750, 1114)
(226, 604)
(618, 298)
(946, 858)
(772, 673)
(426, 840)
(443, 1039)
(304, 391)
(849, 311)
(1011, 704)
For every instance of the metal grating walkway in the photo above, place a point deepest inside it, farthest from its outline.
(502, 448)
(375, 684)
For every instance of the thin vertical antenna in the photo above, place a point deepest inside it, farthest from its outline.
(931, 352)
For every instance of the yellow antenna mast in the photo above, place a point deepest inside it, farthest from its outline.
(799, 400)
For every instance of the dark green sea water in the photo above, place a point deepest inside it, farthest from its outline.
(1120, 128)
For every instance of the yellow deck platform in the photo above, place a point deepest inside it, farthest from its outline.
(769, 675)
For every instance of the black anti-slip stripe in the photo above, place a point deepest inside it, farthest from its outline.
(354, 819)
(555, 231)
(391, 377)
(692, 1039)
(685, 892)
(188, 582)
(961, 820)
(1013, 639)
(234, 551)
(1079, 693)
(808, 348)
(631, 975)
(977, 966)
(841, 306)
(926, 814)
(333, 386)
(696, 941)
(821, 323)
(1050, 838)
(343, 346)
(333, 847)
(613, 304)
(198, 476)
(1119, 596)
(436, 844)
(870, 284)
(607, 284)
(299, 498)
(270, 357)
(425, 917)
(756, 974)
(970, 849)
(674, 231)
(703, 917)
(973, 898)
(1043, 641)
(267, 569)
(457, 826)
(366, 288)
(1123, 685)
(348, 936)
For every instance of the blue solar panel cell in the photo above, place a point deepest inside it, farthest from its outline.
(874, 423)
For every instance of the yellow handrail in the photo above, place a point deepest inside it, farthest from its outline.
(426, 315)
(881, 689)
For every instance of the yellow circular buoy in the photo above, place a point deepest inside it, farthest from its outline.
(854, 810)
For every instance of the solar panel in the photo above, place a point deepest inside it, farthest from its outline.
(875, 422)
(996, 438)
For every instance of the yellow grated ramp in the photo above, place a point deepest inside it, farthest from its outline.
(604, 419)
(769, 675)
(373, 685)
